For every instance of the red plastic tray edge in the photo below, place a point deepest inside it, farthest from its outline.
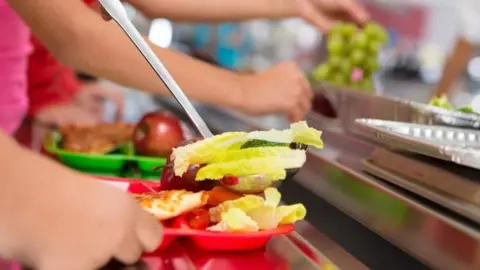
(206, 240)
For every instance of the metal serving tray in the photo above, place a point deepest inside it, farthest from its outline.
(461, 146)
(351, 105)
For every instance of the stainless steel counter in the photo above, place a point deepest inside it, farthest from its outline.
(380, 224)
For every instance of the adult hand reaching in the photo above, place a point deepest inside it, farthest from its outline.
(281, 89)
(324, 13)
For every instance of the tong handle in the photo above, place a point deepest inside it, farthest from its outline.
(116, 10)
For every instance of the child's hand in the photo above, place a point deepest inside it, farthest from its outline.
(55, 219)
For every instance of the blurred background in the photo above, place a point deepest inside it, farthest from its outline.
(422, 33)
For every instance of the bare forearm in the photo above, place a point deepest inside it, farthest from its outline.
(214, 10)
(12, 162)
(84, 41)
(454, 67)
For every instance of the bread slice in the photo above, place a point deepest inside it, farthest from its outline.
(171, 203)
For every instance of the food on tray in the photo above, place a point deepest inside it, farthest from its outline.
(220, 194)
(230, 212)
(265, 213)
(442, 102)
(99, 139)
(241, 154)
(198, 219)
(171, 203)
(235, 158)
(157, 133)
(245, 162)
(170, 181)
(352, 55)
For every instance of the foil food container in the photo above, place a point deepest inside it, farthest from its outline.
(461, 146)
(350, 105)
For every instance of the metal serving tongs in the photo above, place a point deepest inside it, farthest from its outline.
(116, 10)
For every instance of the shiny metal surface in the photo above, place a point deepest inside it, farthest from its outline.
(351, 105)
(116, 10)
(457, 205)
(439, 238)
(461, 146)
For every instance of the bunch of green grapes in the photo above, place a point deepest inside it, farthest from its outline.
(352, 55)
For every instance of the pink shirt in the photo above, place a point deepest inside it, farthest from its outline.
(14, 51)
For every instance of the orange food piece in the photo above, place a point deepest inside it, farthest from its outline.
(220, 194)
(198, 219)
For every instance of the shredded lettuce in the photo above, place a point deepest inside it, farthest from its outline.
(271, 166)
(203, 151)
(222, 153)
(253, 213)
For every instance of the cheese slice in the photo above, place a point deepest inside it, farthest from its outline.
(172, 203)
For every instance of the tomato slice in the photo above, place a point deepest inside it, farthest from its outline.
(198, 219)
(179, 223)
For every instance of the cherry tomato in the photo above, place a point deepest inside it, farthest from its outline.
(229, 180)
(198, 219)
(179, 223)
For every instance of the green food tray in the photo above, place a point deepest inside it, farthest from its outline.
(108, 163)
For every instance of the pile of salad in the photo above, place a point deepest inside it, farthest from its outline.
(237, 159)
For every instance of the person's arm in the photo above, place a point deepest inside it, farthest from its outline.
(214, 10)
(80, 38)
(50, 83)
(455, 65)
(322, 14)
(469, 37)
(44, 206)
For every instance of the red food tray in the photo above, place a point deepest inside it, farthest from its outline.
(204, 240)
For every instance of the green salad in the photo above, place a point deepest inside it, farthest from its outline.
(442, 102)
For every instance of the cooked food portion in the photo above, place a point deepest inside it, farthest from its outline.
(230, 212)
(239, 154)
(155, 135)
(172, 203)
(99, 139)
(442, 102)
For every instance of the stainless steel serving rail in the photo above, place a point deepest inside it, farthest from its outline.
(437, 237)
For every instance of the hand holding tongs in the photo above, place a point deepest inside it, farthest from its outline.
(116, 10)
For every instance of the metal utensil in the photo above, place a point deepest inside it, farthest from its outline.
(116, 10)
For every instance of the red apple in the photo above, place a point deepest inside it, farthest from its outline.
(157, 133)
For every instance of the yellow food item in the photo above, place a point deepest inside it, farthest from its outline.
(168, 204)
(288, 214)
(245, 204)
(235, 220)
(233, 153)
(265, 213)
